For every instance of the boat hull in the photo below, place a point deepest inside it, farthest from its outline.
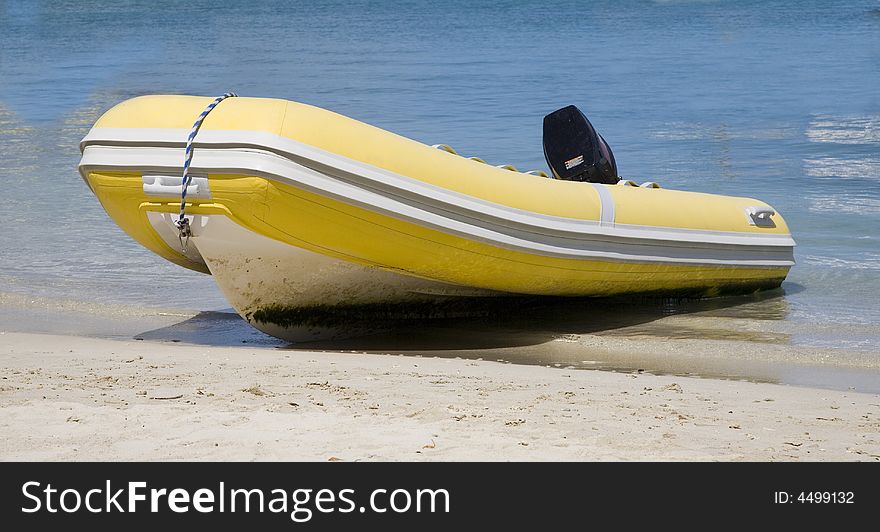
(290, 229)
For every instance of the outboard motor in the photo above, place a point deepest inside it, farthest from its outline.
(573, 149)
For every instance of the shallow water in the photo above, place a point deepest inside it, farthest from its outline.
(774, 100)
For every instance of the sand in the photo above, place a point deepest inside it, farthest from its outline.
(73, 398)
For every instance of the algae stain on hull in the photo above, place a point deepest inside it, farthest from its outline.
(378, 314)
(428, 308)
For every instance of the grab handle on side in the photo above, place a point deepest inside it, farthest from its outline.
(169, 185)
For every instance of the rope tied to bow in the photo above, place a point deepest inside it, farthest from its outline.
(183, 225)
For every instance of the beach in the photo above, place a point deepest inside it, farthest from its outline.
(109, 352)
(75, 398)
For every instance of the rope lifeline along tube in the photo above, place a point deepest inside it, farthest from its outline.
(185, 231)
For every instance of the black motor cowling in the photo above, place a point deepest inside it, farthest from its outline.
(575, 151)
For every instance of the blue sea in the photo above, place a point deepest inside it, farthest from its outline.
(774, 100)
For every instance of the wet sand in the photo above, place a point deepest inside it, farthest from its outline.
(711, 380)
(74, 398)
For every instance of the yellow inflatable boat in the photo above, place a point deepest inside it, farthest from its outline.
(292, 207)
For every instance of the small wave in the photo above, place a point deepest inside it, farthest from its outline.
(845, 130)
(11, 124)
(865, 168)
(674, 2)
(846, 203)
(871, 262)
(717, 132)
(60, 304)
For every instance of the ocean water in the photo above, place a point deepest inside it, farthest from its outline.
(774, 100)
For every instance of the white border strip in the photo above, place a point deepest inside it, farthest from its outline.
(389, 183)
(564, 240)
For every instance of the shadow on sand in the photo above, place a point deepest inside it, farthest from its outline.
(518, 322)
(577, 334)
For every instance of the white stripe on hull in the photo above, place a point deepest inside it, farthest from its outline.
(471, 218)
(397, 186)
